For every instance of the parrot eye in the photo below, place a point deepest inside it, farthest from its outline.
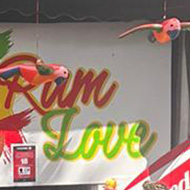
(65, 72)
(171, 25)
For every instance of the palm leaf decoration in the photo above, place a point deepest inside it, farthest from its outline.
(5, 43)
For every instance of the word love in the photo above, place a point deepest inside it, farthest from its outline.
(86, 85)
(135, 139)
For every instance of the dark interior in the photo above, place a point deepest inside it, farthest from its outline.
(51, 11)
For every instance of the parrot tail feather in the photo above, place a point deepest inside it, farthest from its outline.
(10, 73)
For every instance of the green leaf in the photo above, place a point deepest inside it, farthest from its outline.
(5, 43)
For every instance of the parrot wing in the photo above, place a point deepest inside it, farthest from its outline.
(157, 27)
(185, 25)
(5, 43)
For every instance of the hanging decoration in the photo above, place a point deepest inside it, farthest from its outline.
(162, 32)
(36, 74)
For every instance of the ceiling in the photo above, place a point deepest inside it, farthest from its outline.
(51, 11)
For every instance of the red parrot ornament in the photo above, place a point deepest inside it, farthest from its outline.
(36, 74)
(161, 32)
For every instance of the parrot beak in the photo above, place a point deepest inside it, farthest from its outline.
(59, 81)
(173, 34)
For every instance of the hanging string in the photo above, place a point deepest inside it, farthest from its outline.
(37, 26)
(165, 9)
(82, 18)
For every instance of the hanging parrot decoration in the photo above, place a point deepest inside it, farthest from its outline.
(161, 32)
(36, 74)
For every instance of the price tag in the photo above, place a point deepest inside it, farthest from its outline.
(24, 163)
